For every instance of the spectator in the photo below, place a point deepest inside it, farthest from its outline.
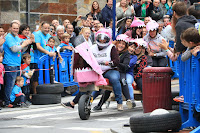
(143, 8)
(2, 38)
(124, 60)
(183, 22)
(164, 6)
(57, 38)
(196, 13)
(12, 59)
(17, 97)
(140, 64)
(153, 39)
(146, 20)
(96, 22)
(52, 30)
(55, 23)
(26, 74)
(65, 44)
(99, 26)
(85, 23)
(41, 39)
(130, 71)
(70, 30)
(24, 34)
(190, 39)
(125, 26)
(90, 19)
(1, 31)
(186, 2)
(50, 47)
(144, 32)
(95, 11)
(107, 13)
(74, 23)
(16, 21)
(66, 22)
(1, 74)
(156, 14)
(160, 27)
(166, 21)
(167, 31)
(124, 10)
(84, 36)
(136, 31)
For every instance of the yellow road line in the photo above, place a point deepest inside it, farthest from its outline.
(96, 132)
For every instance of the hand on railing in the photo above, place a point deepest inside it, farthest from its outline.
(195, 50)
(51, 54)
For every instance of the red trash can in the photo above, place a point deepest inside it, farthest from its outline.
(156, 88)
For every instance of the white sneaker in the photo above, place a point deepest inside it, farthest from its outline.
(120, 107)
(129, 104)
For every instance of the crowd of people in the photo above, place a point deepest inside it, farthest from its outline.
(144, 31)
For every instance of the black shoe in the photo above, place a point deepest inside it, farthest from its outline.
(67, 105)
(97, 108)
(133, 104)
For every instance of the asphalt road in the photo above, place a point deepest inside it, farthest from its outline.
(57, 119)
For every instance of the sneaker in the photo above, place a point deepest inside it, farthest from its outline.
(97, 109)
(129, 104)
(67, 105)
(179, 99)
(133, 104)
(120, 107)
(28, 103)
(23, 105)
(9, 106)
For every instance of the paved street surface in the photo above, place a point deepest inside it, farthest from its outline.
(56, 118)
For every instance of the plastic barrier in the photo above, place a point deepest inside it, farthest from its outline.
(189, 81)
(61, 70)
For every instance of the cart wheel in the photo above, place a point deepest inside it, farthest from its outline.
(84, 107)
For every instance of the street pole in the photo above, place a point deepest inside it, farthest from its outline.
(114, 14)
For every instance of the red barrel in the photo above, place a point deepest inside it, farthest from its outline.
(156, 88)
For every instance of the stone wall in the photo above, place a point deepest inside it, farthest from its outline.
(44, 10)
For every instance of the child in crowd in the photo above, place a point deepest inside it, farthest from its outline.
(26, 74)
(50, 47)
(1, 71)
(190, 38)
(129, 74)
(17, 97)
(65, 45)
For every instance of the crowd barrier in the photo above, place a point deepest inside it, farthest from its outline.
(189, 81)
(61, 70)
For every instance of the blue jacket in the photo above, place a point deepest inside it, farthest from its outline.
(106, 15)
(133, 60)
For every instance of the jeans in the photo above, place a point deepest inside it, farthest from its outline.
(9, 79)
(124, 85)
(20, 99)
(95, 94)
(114, 79)
(26, 91)
(129, 80)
